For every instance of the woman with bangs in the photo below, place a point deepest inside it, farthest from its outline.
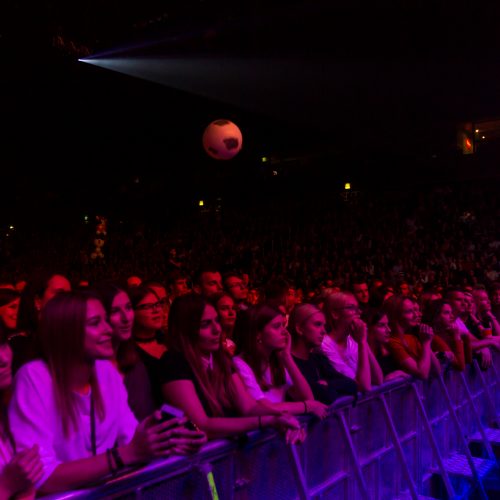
(410, 341)
(199, 378)
(73, 404)
(266, 364)
(307, 327)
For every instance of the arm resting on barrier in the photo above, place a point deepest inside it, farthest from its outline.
(377, 376)
(183, 395)
(153, 438)
(420, 367)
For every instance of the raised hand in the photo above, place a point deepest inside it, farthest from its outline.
(425, 333)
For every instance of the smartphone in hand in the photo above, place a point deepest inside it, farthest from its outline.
(168, 412)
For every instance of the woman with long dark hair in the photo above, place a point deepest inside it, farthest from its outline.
(73, 403)
(198, 376)
(266, 364)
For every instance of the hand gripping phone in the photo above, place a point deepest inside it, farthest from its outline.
(168, 412)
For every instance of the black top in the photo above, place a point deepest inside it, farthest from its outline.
(326, 383)
(174, 366)
(140, 395)
(387, 364)
(153, 368)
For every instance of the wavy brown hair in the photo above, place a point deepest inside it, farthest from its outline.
(184, 322)
(248, 325)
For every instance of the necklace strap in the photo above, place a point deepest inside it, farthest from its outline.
(92, 425)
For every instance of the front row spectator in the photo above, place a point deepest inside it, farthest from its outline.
(346, 344)
(379, 333)
(266, 364)
(410, 342)
(72, 403)
(120, 316)
(439, 315)
(18, 471)
(307, 327)
(198, 376)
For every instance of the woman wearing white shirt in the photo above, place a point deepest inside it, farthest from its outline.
(266, 364)
(74, 405)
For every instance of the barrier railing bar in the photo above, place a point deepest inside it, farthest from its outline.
(430, 435)
(489, 399)
(298, 472)
(484, 438)
(397, 446)
(461, 437)
(354, 456)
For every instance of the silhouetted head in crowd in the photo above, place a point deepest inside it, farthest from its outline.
(280, 293)
(438, 314)
(9, 308)
(207, 282)
(41, 288)
(236, 287)
(177, 283)
(361, 291)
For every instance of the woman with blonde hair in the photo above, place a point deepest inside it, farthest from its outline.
(307, 327)
(346, 343)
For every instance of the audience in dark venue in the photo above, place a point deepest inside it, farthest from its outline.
(263, 317)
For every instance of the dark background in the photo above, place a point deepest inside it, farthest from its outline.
(328, 92)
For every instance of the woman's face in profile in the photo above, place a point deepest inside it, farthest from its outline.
(121, 316)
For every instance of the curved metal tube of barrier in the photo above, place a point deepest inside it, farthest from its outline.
(354, 453)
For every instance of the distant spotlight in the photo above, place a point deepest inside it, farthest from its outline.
(477, 131)
(201, 203)
(264, 159)
(11, 227)
(483, 137)
(347, 186)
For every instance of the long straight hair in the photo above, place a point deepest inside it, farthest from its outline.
(246, 330)
(184, 323)
(62, 342)
(126, 355)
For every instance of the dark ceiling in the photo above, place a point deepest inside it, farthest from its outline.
(338, 82)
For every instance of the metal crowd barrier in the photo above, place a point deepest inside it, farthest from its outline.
(405, 439)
